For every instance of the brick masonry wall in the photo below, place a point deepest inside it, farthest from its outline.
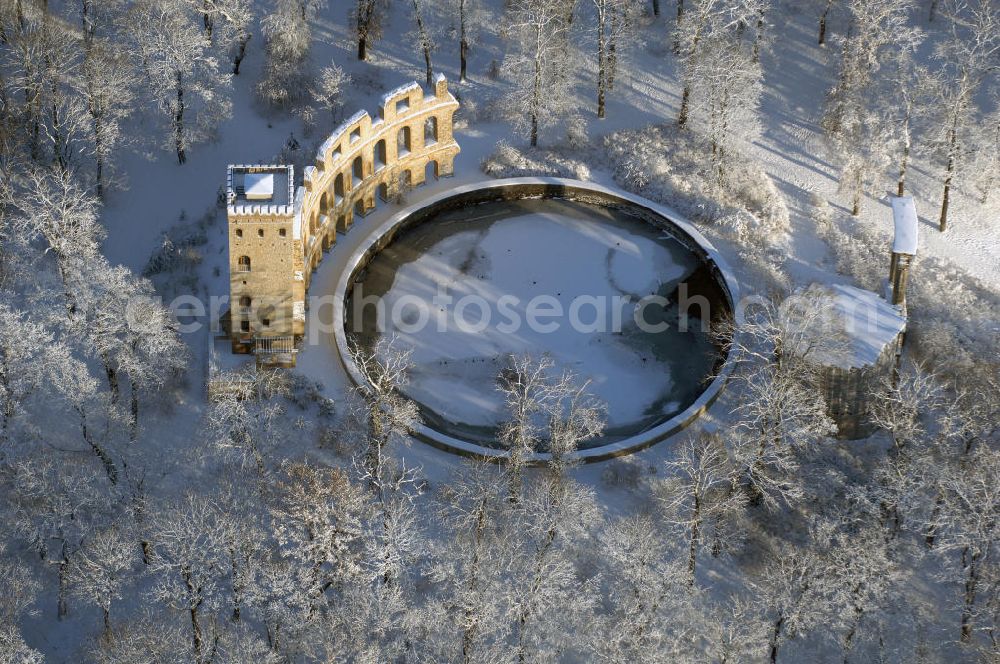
(363, 161)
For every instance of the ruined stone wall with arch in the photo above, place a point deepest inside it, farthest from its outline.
(368, 160)
(277, 235)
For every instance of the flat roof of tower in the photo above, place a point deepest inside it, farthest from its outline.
(260, 185)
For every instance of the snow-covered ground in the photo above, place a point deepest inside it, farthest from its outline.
(790, 149)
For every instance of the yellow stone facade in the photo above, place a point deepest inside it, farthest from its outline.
(278, 232)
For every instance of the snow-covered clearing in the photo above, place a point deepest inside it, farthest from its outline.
(162, 199)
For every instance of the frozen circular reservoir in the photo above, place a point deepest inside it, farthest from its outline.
(594, 281)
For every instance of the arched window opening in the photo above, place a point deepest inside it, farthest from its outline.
(403, 141)
(430, 130)
(431, 171)
(383, 191)
(338, 188)
(243, 263)
(381, 159)
(358, 170)
(323, 203)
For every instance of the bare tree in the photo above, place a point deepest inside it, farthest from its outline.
(553, 516)
(245, 416)
(148, 639)
(189, 563)
(614, 22)
(184, 77)
(904, 405)
(242, 645)
(286, 77)
(135, 335)
(31, 359)
(45, 69)
(737, 630)
(246, 542)
(909, 103)
(987, 161)
(527, 392)
(781, 410)
(574, 417)
(793, 588)
(328, 89)
(54, 508)
(107, 84)
(318, 519)
(52, 206)
(863, 571)
(727, 83)
(879, 31)
(20, 589)
(878, 28)
(423, 37)
(470, 565)
(277, 601)
(702, 19)
(537, 65)
(698, 495)
(969, 530)
(823, 17)
(14, 650)
(101, 570)
(965, 59)
(473, 16)
(386, 416)
(95, 15)
(228, 23)
(367, 18)
(647, 582)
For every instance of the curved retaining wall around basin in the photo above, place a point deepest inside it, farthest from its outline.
(519, 188)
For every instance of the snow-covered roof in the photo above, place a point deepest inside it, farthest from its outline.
(258, 186)
(904, 217)
(841, 326)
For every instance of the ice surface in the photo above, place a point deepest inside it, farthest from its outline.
(557, 253)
